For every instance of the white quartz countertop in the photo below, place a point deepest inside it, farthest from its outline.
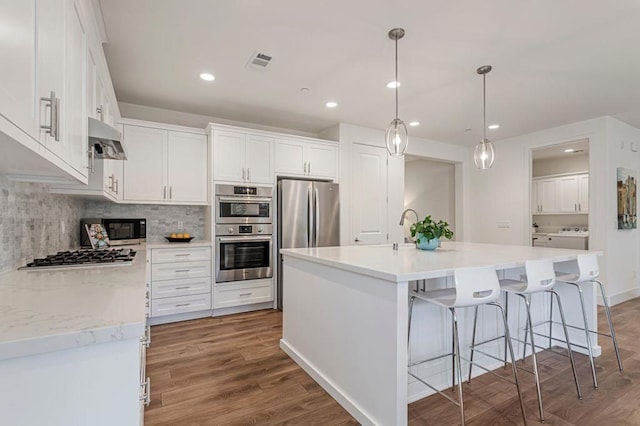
(167, 244)
(48, 310)
(409, 263)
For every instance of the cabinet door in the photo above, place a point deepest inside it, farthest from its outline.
(144, 174)
(568, 194)
(321, 160)
(51, 74)
(258, 159)
(74, 99)
(548, 196)
(369, 195)
(18, 72)
(228, 156)
(583, 193)
(535, 207)
(92, 77)
(289, 157)
(187, 167)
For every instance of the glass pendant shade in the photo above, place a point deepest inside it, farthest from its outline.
(397, 137)
(484, 154)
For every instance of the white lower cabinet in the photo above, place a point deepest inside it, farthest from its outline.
(238, 293)
(180, 281)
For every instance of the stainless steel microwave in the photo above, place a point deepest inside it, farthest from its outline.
(120, 231)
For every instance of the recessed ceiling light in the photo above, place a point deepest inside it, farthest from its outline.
(493, 126)
(569, 150)
(207, 77)
(393, 84)
(331, 104)
(304, 89)
(414, 123)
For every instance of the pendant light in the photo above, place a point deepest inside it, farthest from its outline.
(396, 137)
(485, 153)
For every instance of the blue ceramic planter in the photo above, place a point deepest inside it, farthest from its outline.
(424, 245)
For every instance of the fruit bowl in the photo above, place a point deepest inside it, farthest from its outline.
(179, 240)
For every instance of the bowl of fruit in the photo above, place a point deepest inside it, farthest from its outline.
(180, 237)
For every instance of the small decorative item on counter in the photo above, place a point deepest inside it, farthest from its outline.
(179, 237)
(428, 232)
(97, 236)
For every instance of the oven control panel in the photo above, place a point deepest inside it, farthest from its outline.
(254, 229)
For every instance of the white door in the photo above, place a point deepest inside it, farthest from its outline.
(568, 194)
(548, 196)
(369, 195)
(228, 156)
(18, 70)
(75, 108)
(258, 163)
(535, 207)
(321, 160)
(583, 193)
(51, 74)
(289, 157)
(144, 174)
(187, 167)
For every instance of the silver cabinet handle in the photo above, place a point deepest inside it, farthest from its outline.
(100, 111)
(183, 270)
(171, 192)
(92, 164)
(183, 254)
(112, 185)
(53, 103)
(248, 175)
(164, 192)
(245, 294)
(575, 207)
(117, 182)
(243, 176)
(183, 287)
(182, 304)
(305, 167)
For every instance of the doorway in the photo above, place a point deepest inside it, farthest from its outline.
(429, 189)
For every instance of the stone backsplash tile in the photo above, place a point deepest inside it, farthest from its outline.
(34, 223)
(162, 220)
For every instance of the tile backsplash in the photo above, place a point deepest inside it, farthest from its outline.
(161, 219)
(34, 223)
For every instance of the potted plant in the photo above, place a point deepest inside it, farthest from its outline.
(428, 232)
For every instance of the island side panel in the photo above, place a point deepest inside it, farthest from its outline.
(348, 331)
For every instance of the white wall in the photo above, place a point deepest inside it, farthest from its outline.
(571, 163)
(429, 189)
(502, 194)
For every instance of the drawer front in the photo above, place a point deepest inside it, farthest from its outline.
(176, 271)
(186, 254)
(180, 305)
(237, 294)
(186, 287)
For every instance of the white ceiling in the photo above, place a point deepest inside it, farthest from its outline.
(579, 147)
(554, 62)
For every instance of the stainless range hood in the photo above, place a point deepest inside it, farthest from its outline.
(105, 140)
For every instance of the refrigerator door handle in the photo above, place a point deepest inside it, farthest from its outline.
(316, 213)
(309, 220)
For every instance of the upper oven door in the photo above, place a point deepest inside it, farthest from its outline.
(243, 210)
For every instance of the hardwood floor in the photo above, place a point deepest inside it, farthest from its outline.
(231, 371)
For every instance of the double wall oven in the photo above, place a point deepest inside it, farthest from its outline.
(244, 241)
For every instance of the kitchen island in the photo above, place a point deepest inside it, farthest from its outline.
(345, 316)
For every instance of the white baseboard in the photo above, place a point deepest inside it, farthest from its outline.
(620, 297)
(333, 390)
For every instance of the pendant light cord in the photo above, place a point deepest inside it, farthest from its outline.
(484, 105)
(397, 83)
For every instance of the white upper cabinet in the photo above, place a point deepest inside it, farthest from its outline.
(17, 74)
(304, 158)
(242, 157)
(164, 166)
(187, 167)
(560, 195)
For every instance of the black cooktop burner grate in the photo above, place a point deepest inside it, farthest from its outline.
(84, 257)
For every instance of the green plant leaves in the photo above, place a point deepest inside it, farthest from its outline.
(431, 229)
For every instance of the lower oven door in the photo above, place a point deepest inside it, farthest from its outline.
(243, 258)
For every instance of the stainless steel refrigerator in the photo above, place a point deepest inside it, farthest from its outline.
(308, 216)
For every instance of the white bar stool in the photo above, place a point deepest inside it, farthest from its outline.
(473, 287)
(540, 278)
(588, 272)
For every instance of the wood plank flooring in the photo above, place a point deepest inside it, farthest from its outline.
(231, 371)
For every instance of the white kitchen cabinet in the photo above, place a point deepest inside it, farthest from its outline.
(164, 166)
(242, 157)
(180, 282)
(560, 195)
(104, 182)
(305, 158)
(239, 293)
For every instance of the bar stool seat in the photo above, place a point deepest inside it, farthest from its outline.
(588, 273)
(473, 287)
(540, 277)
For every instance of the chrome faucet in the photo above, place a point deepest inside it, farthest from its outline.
(405, 212)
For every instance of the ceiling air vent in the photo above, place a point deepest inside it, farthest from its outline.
(259, 61)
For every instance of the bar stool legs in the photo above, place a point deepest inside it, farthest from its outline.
(457, 367)
(610, 322)
(527, 304)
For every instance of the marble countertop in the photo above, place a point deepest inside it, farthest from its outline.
(45, 311)
(409, 263)
(167, 244)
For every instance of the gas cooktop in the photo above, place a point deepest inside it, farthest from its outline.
(89, 257)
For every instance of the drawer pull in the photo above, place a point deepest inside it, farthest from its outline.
(183, 254)
(183, 288)
(179, 305)
(183, 270)
(245, 294)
